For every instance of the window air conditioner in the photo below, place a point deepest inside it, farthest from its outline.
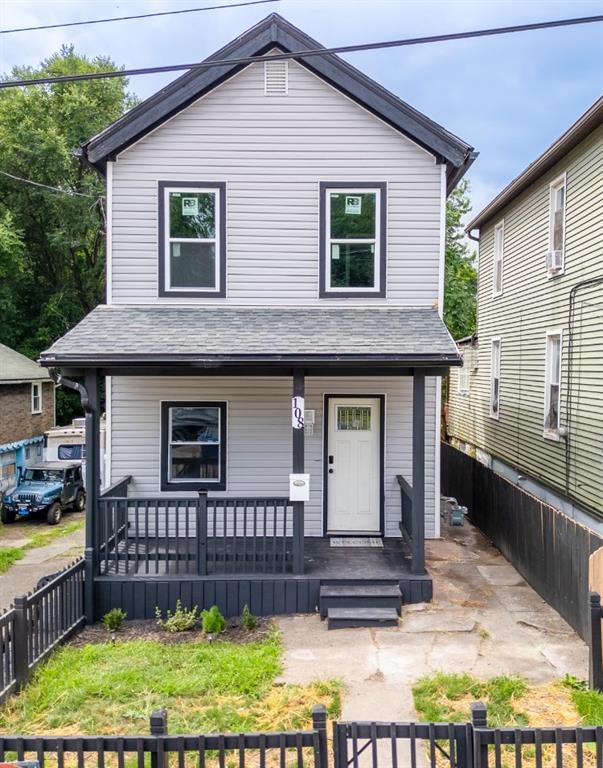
(554, 262)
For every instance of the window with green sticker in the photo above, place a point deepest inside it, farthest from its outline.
(192, 240)
(353, 239)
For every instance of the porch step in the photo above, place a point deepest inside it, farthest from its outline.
(367, 595)
(338, 618)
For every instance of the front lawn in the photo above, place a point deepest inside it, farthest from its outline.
(205, 687)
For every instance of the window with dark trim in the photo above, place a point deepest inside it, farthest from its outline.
(192, 238)
(193, 446)
(353, 236)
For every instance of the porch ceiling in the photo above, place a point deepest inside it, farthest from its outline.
(225, 335)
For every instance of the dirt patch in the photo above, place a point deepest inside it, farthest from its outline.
(546, 704)
(148, 630)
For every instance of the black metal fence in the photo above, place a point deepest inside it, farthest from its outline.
(37, 623)
(595, 665)
(464, 745)
(549, 549)
(174, 536)
(283, 749)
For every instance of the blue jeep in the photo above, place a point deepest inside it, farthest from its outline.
(46, 488)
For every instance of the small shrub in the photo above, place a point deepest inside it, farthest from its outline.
(113, 619)
(182, 620)
(248, 620)
(212, 621)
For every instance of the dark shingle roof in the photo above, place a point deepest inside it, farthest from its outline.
(121, 334)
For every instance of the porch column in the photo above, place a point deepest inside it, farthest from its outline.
(298, 468)
(92, 488)
(418, 472)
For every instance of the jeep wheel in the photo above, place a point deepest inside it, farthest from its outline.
(54, 513)
(80, 501)
(7, 516)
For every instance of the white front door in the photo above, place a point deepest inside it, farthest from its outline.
(353, 465)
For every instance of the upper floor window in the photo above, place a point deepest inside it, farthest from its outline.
(36, 397)
(495, 379)
(192, 239)
(552, 387)
(193, 446)
(353, 239)
(499, 247)
(555, 259)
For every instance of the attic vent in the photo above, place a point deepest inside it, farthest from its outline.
(276, 78)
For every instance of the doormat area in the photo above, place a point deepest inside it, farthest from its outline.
(356, 541)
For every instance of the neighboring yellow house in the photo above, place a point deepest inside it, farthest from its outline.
(529, 400)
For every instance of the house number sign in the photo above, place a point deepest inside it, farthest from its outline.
(297, 412)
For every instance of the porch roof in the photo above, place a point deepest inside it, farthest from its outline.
(221, 335)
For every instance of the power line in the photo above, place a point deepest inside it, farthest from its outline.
(69, 192)
(304, 54)
(139, 16)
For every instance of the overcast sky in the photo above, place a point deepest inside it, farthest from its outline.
(508, 96)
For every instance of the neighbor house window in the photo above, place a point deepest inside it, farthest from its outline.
(464, 383)
(193, 446)
(353, 239)
(499, 247)
(36, 397)
(192, 239)
(555, 260)
(495, 379)
(552, 390)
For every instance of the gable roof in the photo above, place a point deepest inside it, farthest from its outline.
(585, 125)
(276, 32)
(15, 368)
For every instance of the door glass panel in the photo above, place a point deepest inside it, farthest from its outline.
(353, 417)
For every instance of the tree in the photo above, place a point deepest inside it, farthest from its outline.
(52, 243)
(460, 280)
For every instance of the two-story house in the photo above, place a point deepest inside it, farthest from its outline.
(27, 410)
(528, 401)
(272, 341)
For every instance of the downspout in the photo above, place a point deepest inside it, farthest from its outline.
(61, 381)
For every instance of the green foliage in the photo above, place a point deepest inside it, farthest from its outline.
(212, 621)
(248, 620)
(51, 244)
(181, 620)
(113, 619)
(460, 279)
(446, 698)
(589, 704)
(9, 556)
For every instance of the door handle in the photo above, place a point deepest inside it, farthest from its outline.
(330, 471)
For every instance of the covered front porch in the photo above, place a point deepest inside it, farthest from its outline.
(171, 543)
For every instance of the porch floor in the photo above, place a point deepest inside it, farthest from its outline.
(321, 561)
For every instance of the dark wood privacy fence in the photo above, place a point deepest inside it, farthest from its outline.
(595, 665)
(173, 536)
(290, 749)
(549, 549)
(37, 623)
(409, 526)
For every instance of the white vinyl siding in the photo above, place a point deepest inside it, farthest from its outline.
(499, 250)
(259, 435)
(272, 153)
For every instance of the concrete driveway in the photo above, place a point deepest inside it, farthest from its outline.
(484, 619)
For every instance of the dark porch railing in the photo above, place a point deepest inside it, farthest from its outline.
(410, 530)
(171, 536)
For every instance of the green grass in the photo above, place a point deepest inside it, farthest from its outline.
(589, 704)
(37, 537)
(113, 688)
(447, 697)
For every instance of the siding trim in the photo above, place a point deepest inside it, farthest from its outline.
(109, 234)
(162, 254)
(326, 292)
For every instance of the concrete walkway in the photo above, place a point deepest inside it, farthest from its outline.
(484, 620)
(23, 576)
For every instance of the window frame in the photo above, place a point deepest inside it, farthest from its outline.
(554, 186)
(167, 484)
(495, 342)
(498, 227)
(547, 432)
(36, 394)
(163, 238)
(464, 377)
(380, 256)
